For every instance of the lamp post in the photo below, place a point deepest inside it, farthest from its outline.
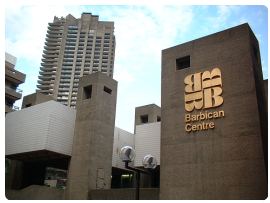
(127, 154)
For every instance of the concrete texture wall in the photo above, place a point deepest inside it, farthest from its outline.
(35, 192)
(152, 111)
(266, 91)
(34, 99)
(124, 194)
(91, 162)
(226, 162)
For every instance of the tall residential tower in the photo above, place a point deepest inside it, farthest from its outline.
(75, 48)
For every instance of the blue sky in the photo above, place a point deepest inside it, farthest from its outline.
(141, 33)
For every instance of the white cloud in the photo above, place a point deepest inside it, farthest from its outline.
(141, 33)
(27, 26)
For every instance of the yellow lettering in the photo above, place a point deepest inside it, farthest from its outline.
(215, 114)
(187, 118)
(211, 125)
(193, 100)
(188, 127)
(221, 113)
(193, 83)
(211, 79)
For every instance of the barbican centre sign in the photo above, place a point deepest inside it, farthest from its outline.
(203, 92)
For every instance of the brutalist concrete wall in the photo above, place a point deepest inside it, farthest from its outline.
(152, 111)
(91, 162)
(224, 159)
(124, 194)
(36, 192)
(266, 91)
(34, 99)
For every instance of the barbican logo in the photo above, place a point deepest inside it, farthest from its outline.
(203, 91)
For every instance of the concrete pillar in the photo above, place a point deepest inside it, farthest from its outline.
(91, 162)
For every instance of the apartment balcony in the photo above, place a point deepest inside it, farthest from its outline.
(45, 87)
(48, 91)
(51, 52)
(55, 32)
(49, 60)
(48, 77)
(47, 74)
(13, 94)
(63, 94)
(64, 80)
(48, 43)
(14, 76)
(59, 35)
(51, 48)
(72, 31)
(44, 82)
(69, 52)
(66, 77)
(49, 39)
(48, 67)
(71, 36)
(66, 71)
(64, 85)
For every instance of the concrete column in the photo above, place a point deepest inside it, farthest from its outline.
(91, 162)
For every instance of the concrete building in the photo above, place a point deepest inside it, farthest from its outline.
(147, 114)
(75, 48)
(214, 120)
(41, 138)
(34, 99)
(209, 136)
(13, 79)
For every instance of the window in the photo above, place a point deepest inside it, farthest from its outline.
(182, 63)
(87, 92)
(108, 90)
(158, 119)
(144, 119)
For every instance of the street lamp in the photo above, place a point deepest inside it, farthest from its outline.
(127, 154)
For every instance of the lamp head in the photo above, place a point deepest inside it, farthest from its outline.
(127, 154)
(149, 161)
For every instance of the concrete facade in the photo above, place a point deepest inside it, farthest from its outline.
(91, 162)
(147, 114)
(34, 99)
(13, 79)
(229, 160)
